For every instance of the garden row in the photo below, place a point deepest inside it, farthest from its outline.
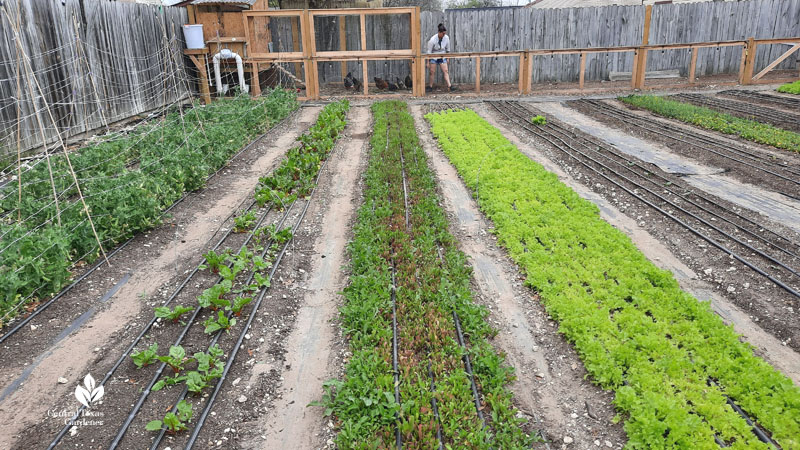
(790, 88)
(671, 362)
(717, 121)
(409, 288)
(241, 277)
(127, 182)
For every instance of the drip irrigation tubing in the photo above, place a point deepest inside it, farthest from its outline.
(748, 111)
(434, 405)
(157, 375)
(659, 196)
(778, 100)
(213, 342)
(468, 367)
(147, 327)
(398, 437)
(602, 146)
(760, 433)
(395, 369)
(119, 248)
(692, 138)
(253, 311)
(656, 207)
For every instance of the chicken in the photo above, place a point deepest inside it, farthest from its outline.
(380, 83)
(408, 81)
(348, 80)
(393, 86)
(400, 84)
(357, 84)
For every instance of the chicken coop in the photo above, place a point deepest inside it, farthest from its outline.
(321, 53)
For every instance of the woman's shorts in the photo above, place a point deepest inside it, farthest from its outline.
(440, 61)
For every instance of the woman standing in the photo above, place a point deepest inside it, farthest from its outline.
(439, 44)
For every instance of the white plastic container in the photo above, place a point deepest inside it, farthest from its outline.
(194, 36)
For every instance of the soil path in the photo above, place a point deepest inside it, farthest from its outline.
(72, 356)
(311, 347)
(767, 346)
(550, 386)
(775, 206)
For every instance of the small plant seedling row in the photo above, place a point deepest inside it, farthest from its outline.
(790, 88)
(398, 277)
(775, 262)
(675, 368)
(242, 279)
(735, 157)
(782, 101)
(38, 252)
(744, 110)
(712, 120)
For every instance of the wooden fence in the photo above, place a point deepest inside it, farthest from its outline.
(91, 62)
(513, 29)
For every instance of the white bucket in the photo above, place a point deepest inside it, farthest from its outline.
(194, 36)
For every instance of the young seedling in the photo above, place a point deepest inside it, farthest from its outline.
(174, 422)
(244, 222)
(214, 260)
(146, 357)
(261, 280)
(212, 297)
(221, 323)
(538, 120)
(172, 314)
(176, 359)
(239, 303)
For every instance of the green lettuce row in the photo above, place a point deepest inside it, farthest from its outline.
(790, 88)
(174, 157)
(427, 292)
(636, 331)
(717, 121)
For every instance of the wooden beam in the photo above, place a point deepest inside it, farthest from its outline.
(648, 14)
(522, 68)
(363, 19)
(342, 42)
(201, 68)
(295, 41)
(635, 69)
(642, 69)
(773, 64)
(747, 75)
(478, 74)
(581, 76)
(365, 54)
(693, 65)
(364, 76)
(742, 65)
(255, 84)
(360, 11)
(528, 73)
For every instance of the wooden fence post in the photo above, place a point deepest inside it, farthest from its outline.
(477, 74)
(640, 63)
(749, 62)
(342, 41)
(693, 65)
(582, 74)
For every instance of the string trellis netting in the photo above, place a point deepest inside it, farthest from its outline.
(61, 207)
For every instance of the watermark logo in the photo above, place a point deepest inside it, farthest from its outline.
(91, 393)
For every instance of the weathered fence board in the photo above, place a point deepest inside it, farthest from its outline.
(96, 62)
(500, 29)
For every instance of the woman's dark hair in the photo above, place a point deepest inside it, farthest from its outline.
(442, 29)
